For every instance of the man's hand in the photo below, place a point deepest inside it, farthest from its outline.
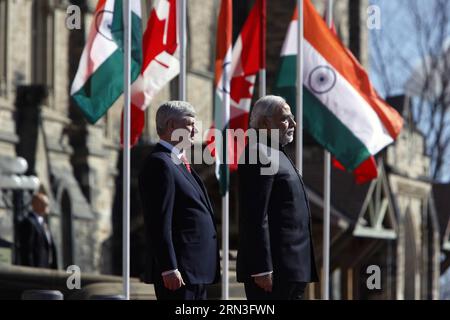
(264, 282)
(173, 281)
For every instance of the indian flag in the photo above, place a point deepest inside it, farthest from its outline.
(99, 79)
(222, 91)
(342, 111)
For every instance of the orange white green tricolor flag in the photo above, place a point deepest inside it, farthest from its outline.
(222, 88)
(341, 109)
(98, 82)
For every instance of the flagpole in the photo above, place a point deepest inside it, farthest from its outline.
(226, 197)
(327, 194)
(182, 35)
(225, 241)
(299, 102)
(262, 71)
(225, 171)
(221, 118)
(126, 152)
(262, 82)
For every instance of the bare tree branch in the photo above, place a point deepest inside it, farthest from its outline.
(429, 30)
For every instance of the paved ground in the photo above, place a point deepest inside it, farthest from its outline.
(236, 290)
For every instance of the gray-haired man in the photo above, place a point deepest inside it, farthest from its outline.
(275, 257)
(178, 214)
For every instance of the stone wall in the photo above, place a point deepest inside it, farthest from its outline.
(89, 153)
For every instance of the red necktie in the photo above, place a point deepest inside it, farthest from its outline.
(186, 163)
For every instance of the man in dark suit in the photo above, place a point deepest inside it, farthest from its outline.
(178, 214)
(275, 257)
(37, 248)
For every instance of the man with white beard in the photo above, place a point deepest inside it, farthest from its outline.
(275, 255)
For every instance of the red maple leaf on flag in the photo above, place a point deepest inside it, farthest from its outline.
(241, 88)
(160, 35)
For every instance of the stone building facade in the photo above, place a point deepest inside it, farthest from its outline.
(391, 223)
(79, 164)
(75, 163)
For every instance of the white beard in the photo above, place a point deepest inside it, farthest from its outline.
(286, 139)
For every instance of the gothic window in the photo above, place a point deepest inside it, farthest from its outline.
(42, 55)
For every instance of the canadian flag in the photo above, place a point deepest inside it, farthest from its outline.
(246, 60)
(160, 64)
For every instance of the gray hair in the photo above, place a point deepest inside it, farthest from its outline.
(172, 110)
(265, 107)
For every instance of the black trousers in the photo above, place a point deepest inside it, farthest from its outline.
(186, 292)
(281, 290)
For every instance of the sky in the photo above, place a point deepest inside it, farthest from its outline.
(392, 35)
(398, 37)
(399, 41)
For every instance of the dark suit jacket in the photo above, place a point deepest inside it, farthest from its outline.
(274, 219)
(34, 246)
(179, 220)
